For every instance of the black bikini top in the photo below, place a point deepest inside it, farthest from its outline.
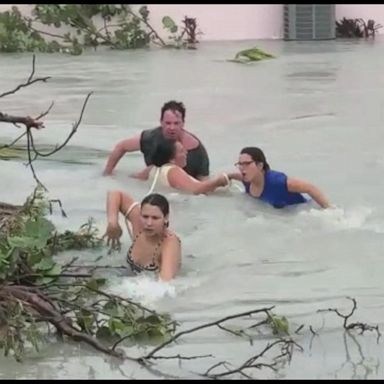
(153, 266)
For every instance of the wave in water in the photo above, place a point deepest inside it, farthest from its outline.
(339, 218)
(148, 290)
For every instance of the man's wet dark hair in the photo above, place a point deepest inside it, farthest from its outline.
(174, 106)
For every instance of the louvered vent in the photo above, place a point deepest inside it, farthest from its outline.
(309, 21)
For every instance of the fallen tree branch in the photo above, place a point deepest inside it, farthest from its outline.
(362, 326)
(28, 121)
(207, 325)
(14, 141)
(29, 82)
(286, 352)
(48, 311)
(73, 131)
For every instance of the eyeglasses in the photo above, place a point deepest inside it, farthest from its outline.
(244, 163)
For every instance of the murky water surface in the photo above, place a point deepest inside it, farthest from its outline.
(316, 111)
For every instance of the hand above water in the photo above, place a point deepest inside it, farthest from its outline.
(113, 234)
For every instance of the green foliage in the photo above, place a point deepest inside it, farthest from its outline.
(122, 28)
(17, 36)
(18, 328)
(169, 24)
(85, 237)
(278, 324)
(251, 55)
(32, 281)
(181, 37)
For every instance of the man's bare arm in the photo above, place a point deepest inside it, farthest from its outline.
(121, 148)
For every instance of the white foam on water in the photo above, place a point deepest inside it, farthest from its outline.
(149, 290)
(339, 218)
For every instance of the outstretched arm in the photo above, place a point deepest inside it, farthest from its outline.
(235, 176)
(129, 145)
(296, 185)
(179, 179)
(170, 258)
(119, 202)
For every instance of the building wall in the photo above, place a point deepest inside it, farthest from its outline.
(250, 21)
(240, 22)
(227, 21)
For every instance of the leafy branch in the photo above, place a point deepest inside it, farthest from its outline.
(122, 28)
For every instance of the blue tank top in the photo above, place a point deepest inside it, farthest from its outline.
(276, 191)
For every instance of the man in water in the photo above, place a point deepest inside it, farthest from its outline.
(172, 122)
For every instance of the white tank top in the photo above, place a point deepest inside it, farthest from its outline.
(163, 174)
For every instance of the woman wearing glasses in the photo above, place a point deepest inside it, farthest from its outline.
(270, 186)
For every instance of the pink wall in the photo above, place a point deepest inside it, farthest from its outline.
(243, 21)
(256, 21)
(226, 21)
(368, 11)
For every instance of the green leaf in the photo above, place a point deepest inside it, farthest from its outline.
(41, 228)
(85, 320)
(144, 12)
(279, 324)
(117, 327)
(56, 270)
(26, 242)
(103, 332)
(44, 265)
(169, 24)
(95, 283)
(152, 319)
(252, 54)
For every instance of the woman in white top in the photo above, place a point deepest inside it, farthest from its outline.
(168, 161)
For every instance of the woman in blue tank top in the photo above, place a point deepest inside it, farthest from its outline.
(273, 187)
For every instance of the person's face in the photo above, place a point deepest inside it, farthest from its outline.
(248, 168)
(172, 124)
(180, 155)
(152, 219)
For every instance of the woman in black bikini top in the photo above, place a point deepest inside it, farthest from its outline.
(152, 266)
(154, 246)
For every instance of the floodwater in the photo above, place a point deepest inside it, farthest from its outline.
(317, 112)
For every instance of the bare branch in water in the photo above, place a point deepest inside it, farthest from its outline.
(180, 357)
(207, 325)
(14, 141)
(30, 160)
(361, 326)
(73, 131)
(285, 352)
(46, 112)
(314, 333)
(29, 82)
(30, 122)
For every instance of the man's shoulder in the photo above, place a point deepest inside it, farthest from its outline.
(189, 133)
(200, 146)
(151, 133)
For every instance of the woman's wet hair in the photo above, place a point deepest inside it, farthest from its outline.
(164, 151)
(257, 156)
(157, 200)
